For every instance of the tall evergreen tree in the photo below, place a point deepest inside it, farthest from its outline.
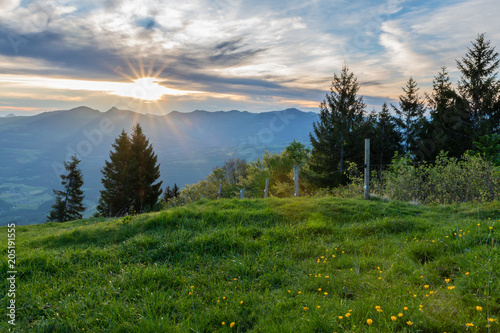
(143, 172)
(175, 191)
(480, 88)
(167, 194)
(410, 117)
(69, 202)
(449, 128)
(116, 196)
(386, 139)
(337, 136)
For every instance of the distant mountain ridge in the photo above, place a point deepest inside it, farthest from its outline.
(188, 145)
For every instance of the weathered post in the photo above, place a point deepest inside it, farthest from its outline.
(367, 169)
(296, 179)
(242, 193)
(220, 189)
(266, 191)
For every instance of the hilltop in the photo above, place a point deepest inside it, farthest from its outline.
(265, 265)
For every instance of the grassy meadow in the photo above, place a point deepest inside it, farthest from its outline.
(274, 265)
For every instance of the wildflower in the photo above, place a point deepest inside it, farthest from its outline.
(400, 315)
(492, 320)
(451, 287)
(340, 317)
(446, 280)
(409, 322)
(305, 308)
(348, 314)
(300, 292)
(394, 318)
(405, 308)
(232, 324)
(369, 321)
(241, 302)
(319, 289)
(192, 287)
(318, 306)
(325, 293)
(426, 286)
(223, 323)
(478, 308)
(469, 324)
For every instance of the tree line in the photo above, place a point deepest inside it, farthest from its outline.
(461, 118)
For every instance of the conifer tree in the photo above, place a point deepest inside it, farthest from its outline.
(143, 172)
(410, 117)
(175, 191)
(338, 135)
(69, 202)
(167, 194)
(449, 128)
(480, 88)
(386, 139)
(116, 196)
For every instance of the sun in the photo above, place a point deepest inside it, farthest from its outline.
(147, 89)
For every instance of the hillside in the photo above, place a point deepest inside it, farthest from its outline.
(188, 145)
(274, 265)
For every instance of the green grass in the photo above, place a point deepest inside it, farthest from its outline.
(274, 265)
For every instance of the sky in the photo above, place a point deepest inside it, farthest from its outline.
(264, 55)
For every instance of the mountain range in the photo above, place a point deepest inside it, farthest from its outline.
(188, 145)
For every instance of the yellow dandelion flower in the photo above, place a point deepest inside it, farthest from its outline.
(426, 286)
(409, 322)
(492, 320)
(478, 308)
(241, 302)
(451, 287)
(400, 315)
(223, 323)
(318, 307)
(469, 324)
(325, 293)
(348, 314)
(305, 308)
(447, 280)
(340, 317)
(319, 289)
(300, 292)
(394, 318)
(232, 324)
(431, 292)
(405, 308)
(369, 321)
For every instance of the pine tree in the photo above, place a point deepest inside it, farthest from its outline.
(116, 196)
(143, 172)
(386, 139)
(449, 128)
(480, 88)
(167, 194)
(338, 135)
(410, 117)
(69, 202)
(175, 191)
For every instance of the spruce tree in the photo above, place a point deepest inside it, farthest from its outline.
(116, 196)
(449, 128)
(167, 194)
(386, 139)
(69, 202)
(143, 172)
(175, 191)
(410, 118)
(338, 135)
(480, 88)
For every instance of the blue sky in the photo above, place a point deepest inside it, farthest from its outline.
(159, 56)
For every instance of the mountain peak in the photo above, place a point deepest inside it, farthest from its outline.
(10, 115)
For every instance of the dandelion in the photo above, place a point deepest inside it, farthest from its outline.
(478, 308)
(325, 293)
(340, 317)
(409, 323)
(405, 308)
(232, 324)
(426, 286)
(451, 287)
(400, 315)
(369, 321)
(300, 292)
(305, 308)
(469, 324)
(318, 307)
(394, 318)
(446, 280)
(241, 302)
(348, 314)
(492, 320)
(319, 289)
(223, 323)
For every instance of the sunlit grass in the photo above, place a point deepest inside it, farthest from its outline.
(275, 265)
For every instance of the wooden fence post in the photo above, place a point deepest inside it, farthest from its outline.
(296, 178)
(220, 189)
(266, 190)
(367, 169)
(242, 193)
